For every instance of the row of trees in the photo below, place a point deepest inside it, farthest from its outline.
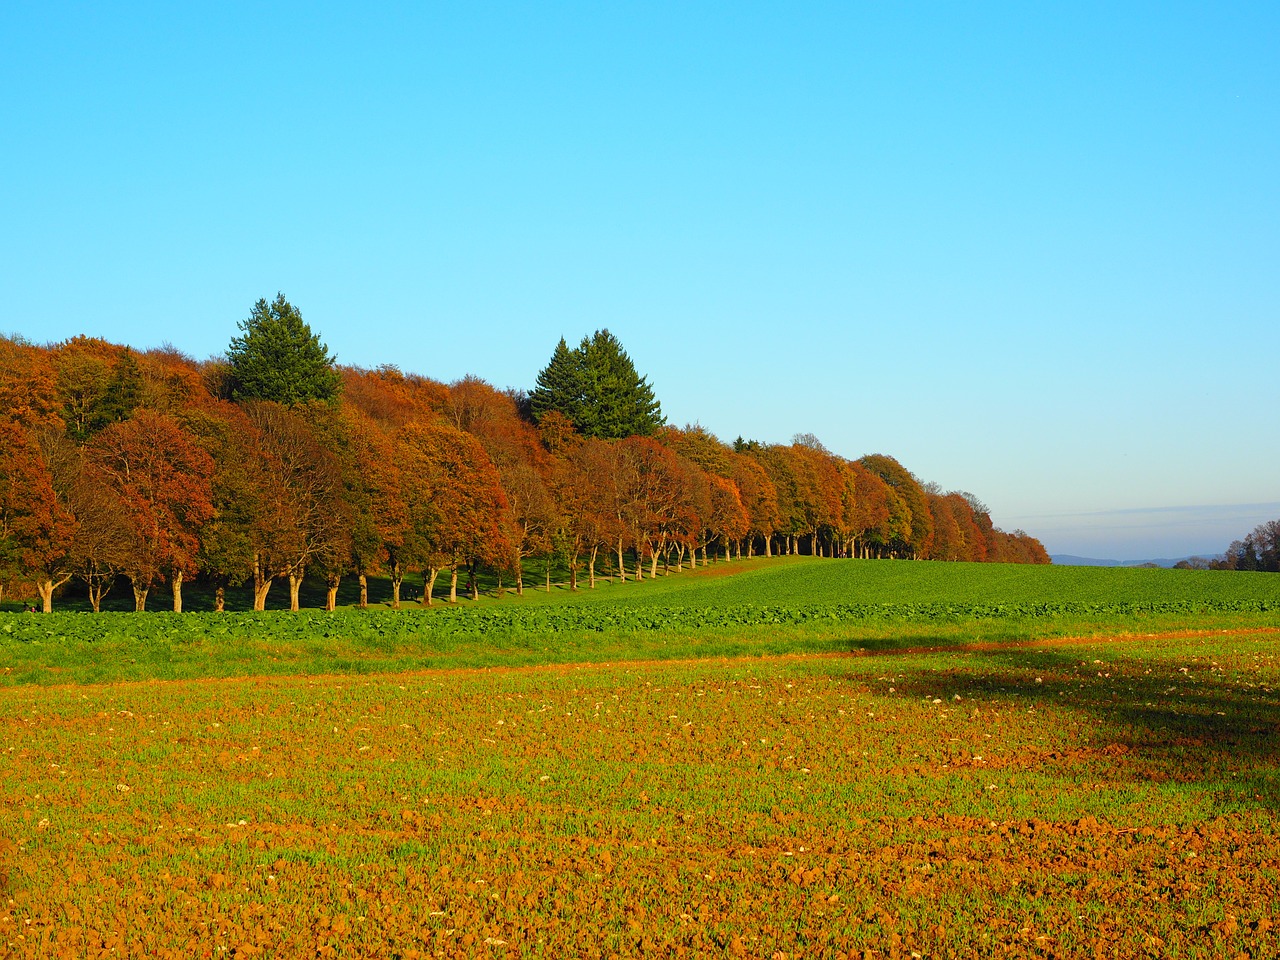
(149, 468)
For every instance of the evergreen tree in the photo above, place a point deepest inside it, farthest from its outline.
(278, 358)
(597, 387)
(561, 386)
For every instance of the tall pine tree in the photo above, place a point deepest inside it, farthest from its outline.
(279, 358)
(597, 387)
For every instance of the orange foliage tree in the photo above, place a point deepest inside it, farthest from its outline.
(163, 483)
(465, 524)
(35, 528)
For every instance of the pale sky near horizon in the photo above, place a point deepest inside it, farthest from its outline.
(1032, 251)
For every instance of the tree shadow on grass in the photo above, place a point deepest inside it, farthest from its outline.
(1197, 713)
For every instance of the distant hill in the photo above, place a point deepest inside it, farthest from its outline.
(1067, 560)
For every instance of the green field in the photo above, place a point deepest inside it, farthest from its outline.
(915, 759)
(751, 608)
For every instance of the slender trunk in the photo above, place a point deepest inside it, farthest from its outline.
(453, 584)
(220, 599)
(768, 545)
(331, 582)
(591, 567)
(653, 563)
(520, 579)
(429, 587)
(139, 596)
(397, 578)
(295, 585)
(573, 574)
(97, 590)
(726, 548)
(546, 573)
(473, 580)
(177, 591)
(622, 566)
(364, 592)
(261, 584)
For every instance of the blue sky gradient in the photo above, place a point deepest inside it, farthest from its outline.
(1030, 251)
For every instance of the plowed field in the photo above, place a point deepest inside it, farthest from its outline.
(1106, 798)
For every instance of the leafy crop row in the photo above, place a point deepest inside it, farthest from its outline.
(375, 626)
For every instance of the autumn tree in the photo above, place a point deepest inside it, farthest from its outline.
(466, 523)
(51, 560)
(305, 517)
(916, 540)
(98, 384)
(375, 489)
(759, 498)
(588, 482)
(163, 482)
(28, 383)
(104, 535)
(242, 494)
(35, 526)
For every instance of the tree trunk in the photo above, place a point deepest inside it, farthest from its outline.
(653, 563)
(220, 599)
(331, 582)
(573, 575)
(473, 581)
(295, 585)
(622, 565)
(97, 590)
(453, 584)
(591, 567)
(364, 592)
(546, 574)
(139, 596)
(397, 578)
(429, 586)
(261, 584)
(520, 579)
(177, 591)
(45, 588)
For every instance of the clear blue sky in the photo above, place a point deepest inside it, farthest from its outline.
(1032, 251)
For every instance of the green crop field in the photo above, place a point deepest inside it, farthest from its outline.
(760, 607)
(786, 758)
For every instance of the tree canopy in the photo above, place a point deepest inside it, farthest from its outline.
(278, 358)
(597, 388)
(120, 465)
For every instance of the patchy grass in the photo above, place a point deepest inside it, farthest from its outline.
(1114, 796)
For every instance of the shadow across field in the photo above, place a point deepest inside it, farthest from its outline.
(1192, 712)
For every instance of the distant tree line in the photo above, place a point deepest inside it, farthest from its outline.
(1259, 550)
(272, 465)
